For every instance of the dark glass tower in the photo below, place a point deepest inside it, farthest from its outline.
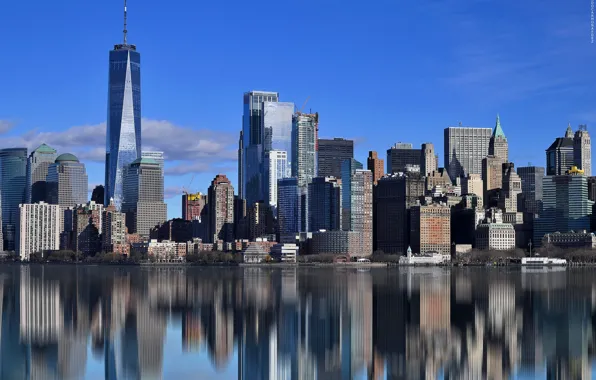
(13, 170)
(123, 138)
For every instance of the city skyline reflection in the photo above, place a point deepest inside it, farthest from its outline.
(67, 322)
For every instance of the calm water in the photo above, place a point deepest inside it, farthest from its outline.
(62, 322)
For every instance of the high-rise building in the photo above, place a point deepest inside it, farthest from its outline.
(437, 178)
(39, 229)
(565, 206)
(261, 222)
(221, 209)
(472, 184)
(492, 174)
(156, 156)
(304, 160)
(531, 181)
(123, 137)
(193, 206)
(348, 168)
(324, 204)
(498, 145)
(430, 229)
(401, 155)
(429, 162)
(143, 196)
(67, 184)
(376, 165)
(582, 150)
(87, 228)
(114, 230)
(288, 210)
(592, 188)
(511, 189)
(253, 135)
(37, 171)
(361, 209)
(276, 168)
(464, 149)
(560, 155)
(98, 194)
(331, 155)
(241, 164)
(13, 183)
(240, 222)
(394, 195)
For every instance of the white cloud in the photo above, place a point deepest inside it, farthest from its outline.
(172, 191)
(5, 126)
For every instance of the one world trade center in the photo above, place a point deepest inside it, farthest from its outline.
(123, 137)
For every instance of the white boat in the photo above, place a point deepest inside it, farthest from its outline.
(541, 261)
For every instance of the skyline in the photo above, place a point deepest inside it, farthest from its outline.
(535, 74)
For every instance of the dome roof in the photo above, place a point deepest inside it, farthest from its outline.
(67, 157)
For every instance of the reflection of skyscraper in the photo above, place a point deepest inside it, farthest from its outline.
(123, 137)
(13, 170)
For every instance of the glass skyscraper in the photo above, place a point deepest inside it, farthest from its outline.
(37, 171)
(13, 177)
(288, 209)
(123, 138)
(304, 154)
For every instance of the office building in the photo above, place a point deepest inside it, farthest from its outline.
(114, 231)
(252, 145)
(335, 243)
(304, 154)
(472, 184)
(123, 137)
(429, 162)
(560, 155)
(98, 194)
(430, 229)
(464, 149)
(492, 174)
(13, 176)
(176, 230)
(240, 222)
(401, 155)
(261, 222)
(531, 181)
(511, 189)
(288, 210)
(348, 168)
(67, 182)
(393, 197)
(143, 196)
(39, 229)
(37, 171)
(498, 145)
(495, 236)
(221, 209)
(241, 164)
(592, 188)
(357, 204)
(276, 168)
(87, 228)
(582, 150)
(376, 165)
(155, 156)
(193, 206)
(331, 154)
(324, 204)
(565, 205)
(438, 179)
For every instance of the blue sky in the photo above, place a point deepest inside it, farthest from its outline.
(379, 71)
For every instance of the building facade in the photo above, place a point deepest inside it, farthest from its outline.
(87, 228)
(472, 184)
(324, 204)
(114, 231)
(430, 229)
(67, 182)
(360, 216)
(331, 155)
(498, 145)
(376, 165)
(402, 155)
(511, 189)
(560, 155)
(288, 210)
(464, 149)
(304, 154)
(155, 156)
(39, 229)
(123, 137)
(13, 176)
(582, 150)
(335, 243)
(495, 236)
(143, 196)
(492, 174)
(348, 168)
(429, 161)
(193, 206)
(221, 209)
(276, 168)
(37, 170)
(531, 181)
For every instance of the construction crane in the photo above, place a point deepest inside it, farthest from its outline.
(184, 191)
(303, 105)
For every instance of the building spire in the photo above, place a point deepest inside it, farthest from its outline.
(498, 131)
(569, 132)
(125, 31)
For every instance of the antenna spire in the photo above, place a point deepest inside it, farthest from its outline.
(125, 31)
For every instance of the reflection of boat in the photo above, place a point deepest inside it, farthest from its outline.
(542, 261)
(532, 269)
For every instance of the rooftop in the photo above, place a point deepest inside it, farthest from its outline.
(43, 148)
(66, 157)
(143, 161)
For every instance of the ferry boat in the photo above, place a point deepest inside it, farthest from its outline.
(542, 261)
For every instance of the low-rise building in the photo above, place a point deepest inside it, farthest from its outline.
(286, 253)
(335, 243)
(571, 239)
(254, 254)
(495, 236)
(166, 250)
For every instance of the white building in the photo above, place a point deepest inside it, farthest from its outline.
(39, 229)
(495, 236)
(285, 252)
(277, 168)
(429, 258)
(166, 250)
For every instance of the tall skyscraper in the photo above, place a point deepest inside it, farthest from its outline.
(288, 210)
(464, 149)
(560, 155)
(193, 206)
(582, 150)
(472, 184)
(13, 171)
(241, 165)
(37, 171)
(114, 230)
(498, 145)
(348, 168)
(221, 209)
(401, 155)
(39, 229)
(324, 204)
(143, 196)
(531, 182)
(123, 137)
(156, 156)
(331, 155)
(276, 168)
(376, 165)
(429, 162)
(511, 189)
(430, 229)
(304, 160)
(492, 174)
(98, 195)
(253, 144)
(361, 209)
